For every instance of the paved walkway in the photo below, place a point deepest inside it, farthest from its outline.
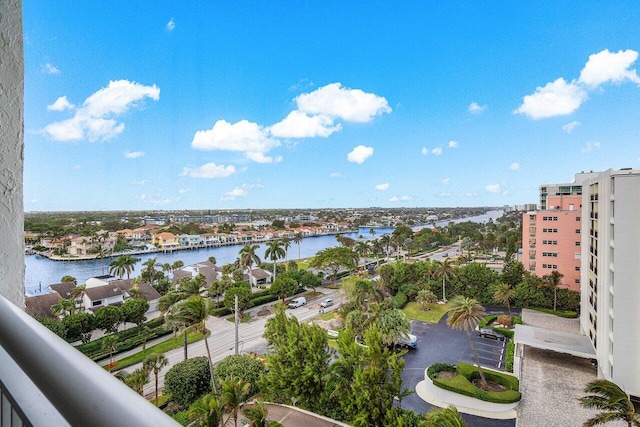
(437, 396)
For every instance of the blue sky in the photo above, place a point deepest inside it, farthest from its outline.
(223, 105)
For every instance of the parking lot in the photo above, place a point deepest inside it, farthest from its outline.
(440, 343)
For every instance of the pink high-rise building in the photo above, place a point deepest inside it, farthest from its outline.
(551, 236)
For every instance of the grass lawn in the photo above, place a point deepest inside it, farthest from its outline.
(413, 310)
(160, 348)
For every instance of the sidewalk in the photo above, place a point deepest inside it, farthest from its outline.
(437, 396)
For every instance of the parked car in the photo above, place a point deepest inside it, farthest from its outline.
(297, 302)
(408, 341)
(490, 333)
(326, 303)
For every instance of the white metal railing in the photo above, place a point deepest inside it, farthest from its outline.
(45, 381)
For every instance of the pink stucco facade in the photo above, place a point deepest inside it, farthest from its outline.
(551, 240)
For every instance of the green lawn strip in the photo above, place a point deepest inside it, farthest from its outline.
(508, 358)
(567, 314)
(160, 348)
(414, 311)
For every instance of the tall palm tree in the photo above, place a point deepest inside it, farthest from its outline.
(123, 264)
(248, 257)
(235, 392)
(275, 251)
(150, 268)
(137, 380)
(64, 307)
(386, 241)
(553, 281)
(612, 400)
(372, 232)
(503, 294)
(297, 239)
(445, 271)
(110, 344)
(376, 248)
(100, 252)
(465, 313)
(286, 244)
(194, 312)
(362, 248)
(444, 417)
(207, 411)
(154, 362)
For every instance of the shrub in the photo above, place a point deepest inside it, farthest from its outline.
(462, 384)
(505, 320)
(400, 300)
(508, 358)
(471, 372)
(262, 300)
(188, 380)
(240, 366)
(182, 418)
(506, 332)
(433, 370)
(218, 312)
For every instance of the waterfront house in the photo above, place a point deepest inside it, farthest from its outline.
(40, 305)
(165, 241)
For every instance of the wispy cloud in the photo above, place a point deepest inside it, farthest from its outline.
(50, 69)
(360, 154)
(400, 199)
(171, 25)
(209, 170)
(93, 120)
(133, 154)
(241, 191)
(299, 124)
(562, 97)
(590, 146)
(383, 187)
(60, 104)
(336, 175)
(437, 151)
(514, 166)
(475, 108)
(569, 127)
(424, 151)
(493, 188)
(445, 181)
(141, 182)
(453, 144)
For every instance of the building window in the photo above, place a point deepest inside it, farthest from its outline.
(549, 230)
(578, 219)
(576, 281)
(550, 266)
(577, 243)
(577, 231)
(550, 254)
(96, 303)
(576, 268)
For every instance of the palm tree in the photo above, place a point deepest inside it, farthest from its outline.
(207, 411)
(612, 400)
(376, 248)
(554, 280)
(386, 241)
(275, 251)
(150, 269)
(425, 296)
(212, 260)
(362, 248)
(503, 294)
(297, 239)
(372, 232)
(100, 252)
(444, 417)
(446, 271)
(64, 307)
(194, 312)
(123, 264)
(286, 244)
(155, 362)
(248, 257)
(465, 313)
(257, 415)
(234, 393)
(137, 380)
(110, 344)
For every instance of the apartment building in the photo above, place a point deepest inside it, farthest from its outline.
(610, 296)
(551, 236)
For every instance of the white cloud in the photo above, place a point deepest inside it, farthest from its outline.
(133, 154)
(261, 158)
(445, 181)
(242, 136)
(475, 108)
(237, 192)
(437, 151)
(591, 146)
(336, 175)
(351, 105)
(171, 25)
(360, 154)
(467, 194)
(444, 194)
(556, 98)
(400, 199)
(155, 201)
(493, 188)
(90, 119)
(209, 170)
(183, 191)
(514, 166)
(453, 144)
(50, 69)
(605, 66)
(301, 125)
(424, 151)
(569, 127)
(142, 182)
(60, 104)
(383, 187)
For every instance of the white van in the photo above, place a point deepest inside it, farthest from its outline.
(297, 302)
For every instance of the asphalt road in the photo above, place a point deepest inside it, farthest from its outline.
(439, 343)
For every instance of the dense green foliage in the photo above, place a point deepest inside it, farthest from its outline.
(188, 380)
(462, 384)
(509, 356)
(241, 367)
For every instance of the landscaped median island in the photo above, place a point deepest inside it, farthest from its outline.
(463, 377)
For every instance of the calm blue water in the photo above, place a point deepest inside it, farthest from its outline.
(41, 272)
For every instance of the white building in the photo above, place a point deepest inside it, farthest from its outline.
(610, 274)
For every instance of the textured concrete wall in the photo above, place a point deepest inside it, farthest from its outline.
(11, 152)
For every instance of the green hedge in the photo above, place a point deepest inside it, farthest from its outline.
(462, 384)
(508, 358)
(506, 332)
(220, 311)
(433, 370)
(400, 300)
(262, 300)
(560, 313)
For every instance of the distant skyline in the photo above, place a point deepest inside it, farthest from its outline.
(238, 105)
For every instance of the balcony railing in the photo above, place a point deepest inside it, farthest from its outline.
(44, 381)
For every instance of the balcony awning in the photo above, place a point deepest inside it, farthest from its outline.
(561, 342)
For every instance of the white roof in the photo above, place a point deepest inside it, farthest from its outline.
(561, 342)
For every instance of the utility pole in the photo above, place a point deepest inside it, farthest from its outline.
(236, 321)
